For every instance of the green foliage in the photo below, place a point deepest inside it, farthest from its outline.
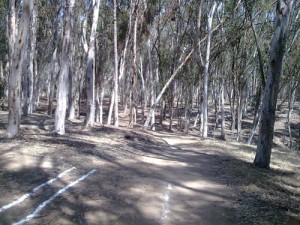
(123, 22)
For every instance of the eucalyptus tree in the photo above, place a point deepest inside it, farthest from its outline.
(54, 59)
(260, 34)
(277, 50)
(29, 74)
(19, 31)
(90, 70)
(60, 113)
(137, 17)
(116, 74)
(206, 68)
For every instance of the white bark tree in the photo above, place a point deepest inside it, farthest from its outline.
(116, 75)
(18, 42)
(32, 60)
(206, 69)
(90, 70)
(53, 73)
(60, 113)
(223, 135)
(152, 84)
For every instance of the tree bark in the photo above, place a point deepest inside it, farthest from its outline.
(116, 77)
(152, 83)
(133, 106)
(206, 68)
(60, 113)
(25, 87)
(18, 49)
(90, 70)
(277, 49)
(53, 66)
(32, 53)
(223, 135)
(73, 71)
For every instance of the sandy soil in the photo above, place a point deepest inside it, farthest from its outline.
(142, 177)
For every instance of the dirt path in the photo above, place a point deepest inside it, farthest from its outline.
(139, 179)
(208, 200)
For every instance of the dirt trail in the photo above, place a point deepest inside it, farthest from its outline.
(208, 199)
(140, 179)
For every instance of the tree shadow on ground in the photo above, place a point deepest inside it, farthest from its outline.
(123, 190)
(143, 180)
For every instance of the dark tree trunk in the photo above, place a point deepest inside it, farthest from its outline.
(277, 49)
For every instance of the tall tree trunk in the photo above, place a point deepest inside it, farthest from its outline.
(232, 98)
(36, 89)
(60, 113)
(25, 87)
(18, 49)
(53, 73)
(152, 83)
(223, 137)
(97, 113)
(142, 90)
(122, 66)
(206, 70)
(277, 49)
(133, 107)
(90, 70)
(72, 79)
(32, 53)
(116, 77)
(80, 87)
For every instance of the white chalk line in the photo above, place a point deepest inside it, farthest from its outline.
(45, 203)
(27, 195)
(166, 204)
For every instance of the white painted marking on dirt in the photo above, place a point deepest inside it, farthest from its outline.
(45, 203)
(166, 204)
(27, 195)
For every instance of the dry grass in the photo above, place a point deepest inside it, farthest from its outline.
(264, 196)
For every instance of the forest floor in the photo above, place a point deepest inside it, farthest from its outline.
(132, 176)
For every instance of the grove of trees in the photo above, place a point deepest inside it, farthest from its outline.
(154, 60)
